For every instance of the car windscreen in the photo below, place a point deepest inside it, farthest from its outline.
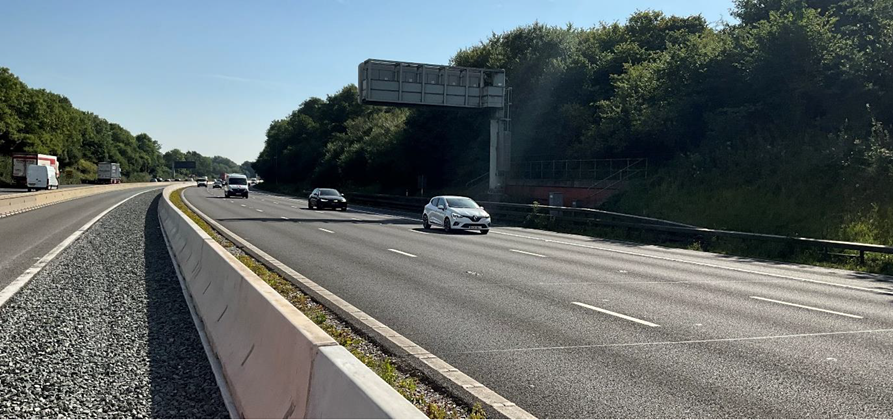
(328, 192)
(461, 203)
(238, 181)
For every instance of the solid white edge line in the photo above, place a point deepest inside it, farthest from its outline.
(216, 367)
(626, 317)
(806, 307)
(283, 217)
(326, 230)
(696, 263)
(259, 210)
(12, 288)
(402, 253)
(527, 253)
(664, 343)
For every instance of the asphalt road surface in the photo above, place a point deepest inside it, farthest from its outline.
(26, 237)
(572, 326)
(103, 330)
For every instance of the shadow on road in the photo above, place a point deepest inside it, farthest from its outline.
(182, 384)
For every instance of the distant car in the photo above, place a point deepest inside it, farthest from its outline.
(326, 197)
(252, 181)
(236, 185)
(455, 213)
(201, 182)
(217, 184)
(153, 180)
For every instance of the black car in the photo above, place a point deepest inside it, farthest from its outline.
(322, 198)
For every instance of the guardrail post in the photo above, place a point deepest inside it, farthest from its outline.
(862, 257)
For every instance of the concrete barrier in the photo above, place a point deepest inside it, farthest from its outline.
(18, 203)
(276, 361)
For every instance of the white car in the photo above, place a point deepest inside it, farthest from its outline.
(455, 213)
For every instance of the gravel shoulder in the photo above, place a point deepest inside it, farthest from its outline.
(103, 331)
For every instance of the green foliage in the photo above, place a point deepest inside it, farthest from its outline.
(777, 124)
(38, 121)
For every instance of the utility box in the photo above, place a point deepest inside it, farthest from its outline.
(556, 199)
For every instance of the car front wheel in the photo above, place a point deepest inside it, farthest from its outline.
(446, 225)
(425, 223)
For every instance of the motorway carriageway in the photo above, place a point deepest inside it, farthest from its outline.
(103, 329)
(26, 237)
(572, 326)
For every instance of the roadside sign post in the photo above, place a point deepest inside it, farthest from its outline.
(400, 83)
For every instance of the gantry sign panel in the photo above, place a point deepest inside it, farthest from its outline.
(399, 83)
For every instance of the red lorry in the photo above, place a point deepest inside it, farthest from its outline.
(21, 161)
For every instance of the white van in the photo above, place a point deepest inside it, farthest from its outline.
(236, 184)
(42, 178)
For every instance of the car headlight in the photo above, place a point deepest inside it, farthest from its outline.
(323, 199)
(457, 216)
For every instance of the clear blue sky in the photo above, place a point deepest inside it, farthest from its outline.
(210, 76)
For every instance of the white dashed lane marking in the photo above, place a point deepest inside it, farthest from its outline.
(402, 253)
(806, 307)
(527, 253)
(612, 313)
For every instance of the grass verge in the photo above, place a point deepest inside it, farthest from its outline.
(434, 403)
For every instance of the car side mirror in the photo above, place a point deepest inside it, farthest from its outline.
(441, 207)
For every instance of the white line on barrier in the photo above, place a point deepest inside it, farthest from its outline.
(626, 317)
(325, 230)
(402, 253)
(12, 288)
(806, 307)
(283, 217)
(527, 253)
